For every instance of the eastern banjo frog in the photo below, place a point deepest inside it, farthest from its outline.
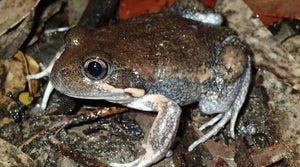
(159, 62)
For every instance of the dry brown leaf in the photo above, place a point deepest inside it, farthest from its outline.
(12, 40)
(270, 155)
(75, 11)
(31, 67)
(12, 79)
(11, 156)
(130, 8)
(268, 53)
(12, 12)
(270, 11)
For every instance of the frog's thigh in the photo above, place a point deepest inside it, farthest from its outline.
(163, 130)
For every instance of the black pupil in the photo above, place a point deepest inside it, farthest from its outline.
(94, 69)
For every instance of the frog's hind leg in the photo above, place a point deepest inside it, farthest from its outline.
(231, 111)
(163, 130)
(240, 98)
(218, 122)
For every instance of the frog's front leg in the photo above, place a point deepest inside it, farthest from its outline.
(163, 130)
(46, 73)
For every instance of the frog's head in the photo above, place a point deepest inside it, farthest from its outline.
(86, 71)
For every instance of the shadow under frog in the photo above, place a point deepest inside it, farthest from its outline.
(159, 62)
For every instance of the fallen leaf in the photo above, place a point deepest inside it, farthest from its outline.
(25, 98)
(12, 12)
(130, 8)
(32, 67)
(12, 156)
(270, 155)
(270, 11)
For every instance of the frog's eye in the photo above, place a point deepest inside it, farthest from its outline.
(95, 69)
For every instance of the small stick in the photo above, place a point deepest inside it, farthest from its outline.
(75, 155)
(76, 119)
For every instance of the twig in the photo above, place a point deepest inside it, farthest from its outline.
(77, 156)
(76, 119)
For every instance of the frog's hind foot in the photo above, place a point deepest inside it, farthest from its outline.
(211, 122)
(196, 10)
(216, 128)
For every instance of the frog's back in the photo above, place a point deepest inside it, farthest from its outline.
(174, 55)
(163, 40)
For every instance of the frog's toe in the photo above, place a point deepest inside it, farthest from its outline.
(211, 122)
(215, 129)
(130, 164)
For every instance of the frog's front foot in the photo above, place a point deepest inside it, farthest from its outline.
(163, 130)
(46, 73)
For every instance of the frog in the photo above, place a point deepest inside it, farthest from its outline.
(159, 62)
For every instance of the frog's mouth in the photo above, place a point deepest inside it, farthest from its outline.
(104, 91)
